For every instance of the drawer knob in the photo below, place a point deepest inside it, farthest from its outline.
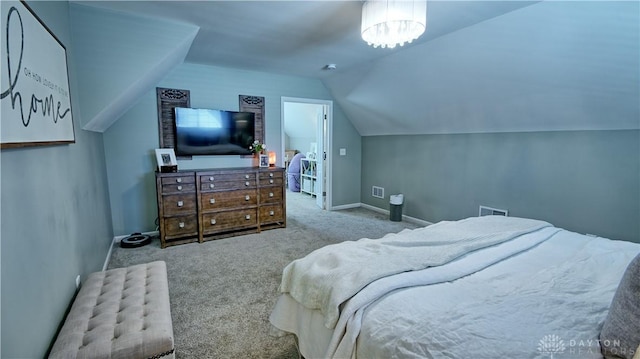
(179, 180)
(247, 217)
(180, 203)
(181, 224)
(246, 176)
(246, 198)
(270, 174)
(213, 221)
(271, 213)
(179, 188)
(246, 183)
(211, 179)
(212, 200)
(211, 185)
(271, 181)
(270, 194)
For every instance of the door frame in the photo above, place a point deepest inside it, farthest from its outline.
(328, 145)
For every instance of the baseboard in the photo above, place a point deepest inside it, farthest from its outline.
(417, 221)
(345, 206)
(106, 260)
(373, 208)
(116, 241)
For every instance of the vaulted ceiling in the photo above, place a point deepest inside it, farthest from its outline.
(481, 66)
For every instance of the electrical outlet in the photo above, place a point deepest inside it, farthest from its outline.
(78, 281)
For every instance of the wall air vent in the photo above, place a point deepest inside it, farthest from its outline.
(488, 211)
(377, 192)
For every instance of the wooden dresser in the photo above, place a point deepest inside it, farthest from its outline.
(201, 205)
(177, 207)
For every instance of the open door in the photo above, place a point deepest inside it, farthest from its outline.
(320, 154)
(321, 114)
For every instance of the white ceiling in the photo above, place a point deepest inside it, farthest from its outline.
(481, 66)
(301, 119)
(294, 37)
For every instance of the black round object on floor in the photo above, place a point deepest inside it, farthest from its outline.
(135, 240)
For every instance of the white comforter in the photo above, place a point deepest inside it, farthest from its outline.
(545, 290)
(327, 277)
(551, 299)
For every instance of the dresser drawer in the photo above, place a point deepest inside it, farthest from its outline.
(271, 214)
(178, 188)
(227, 181)
(271, 178)
(181, 226)
(225, 186)
(277, 181)
(213, 201)
(270, 175)
(221, 221)
(271, 194)
(183, 179)
(177, 204)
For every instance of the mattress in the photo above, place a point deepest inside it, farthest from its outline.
(507, 300)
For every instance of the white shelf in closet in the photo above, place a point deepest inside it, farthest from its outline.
(308, 176)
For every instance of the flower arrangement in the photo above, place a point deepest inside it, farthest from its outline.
(257, 147)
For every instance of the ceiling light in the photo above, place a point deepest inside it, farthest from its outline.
(388, 23)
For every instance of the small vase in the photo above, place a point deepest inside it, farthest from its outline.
(255, 160)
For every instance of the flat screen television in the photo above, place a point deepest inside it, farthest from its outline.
(202, 131)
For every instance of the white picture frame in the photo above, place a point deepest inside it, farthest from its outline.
(264, 160)
(166, 157)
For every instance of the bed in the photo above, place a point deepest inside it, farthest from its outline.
(482, 287)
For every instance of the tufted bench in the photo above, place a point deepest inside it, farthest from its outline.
(119, 313)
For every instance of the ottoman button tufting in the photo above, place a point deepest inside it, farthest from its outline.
(116, 322)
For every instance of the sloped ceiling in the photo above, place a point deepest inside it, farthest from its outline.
(481, 66)
(119, 58)
(549, 66)
(301, 119)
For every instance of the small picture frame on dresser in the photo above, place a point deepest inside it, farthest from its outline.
(264, 161)
(166, 159)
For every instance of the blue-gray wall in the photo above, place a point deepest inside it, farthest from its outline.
(56, 221)
(584, 181)
(130, 142)
(61, 205)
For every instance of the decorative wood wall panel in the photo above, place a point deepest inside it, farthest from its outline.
(168, 99)
(254, 104)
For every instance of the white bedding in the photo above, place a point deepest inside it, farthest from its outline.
(533, 292)
(327, 277)
(563, 288)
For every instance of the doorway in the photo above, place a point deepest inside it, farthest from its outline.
(306, 127)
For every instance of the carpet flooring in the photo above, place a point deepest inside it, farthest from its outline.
(223, 291)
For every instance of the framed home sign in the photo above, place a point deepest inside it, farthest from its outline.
(35, 101)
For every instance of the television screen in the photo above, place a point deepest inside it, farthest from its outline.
(213, 132)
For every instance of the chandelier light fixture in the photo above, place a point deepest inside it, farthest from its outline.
(387, 23)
